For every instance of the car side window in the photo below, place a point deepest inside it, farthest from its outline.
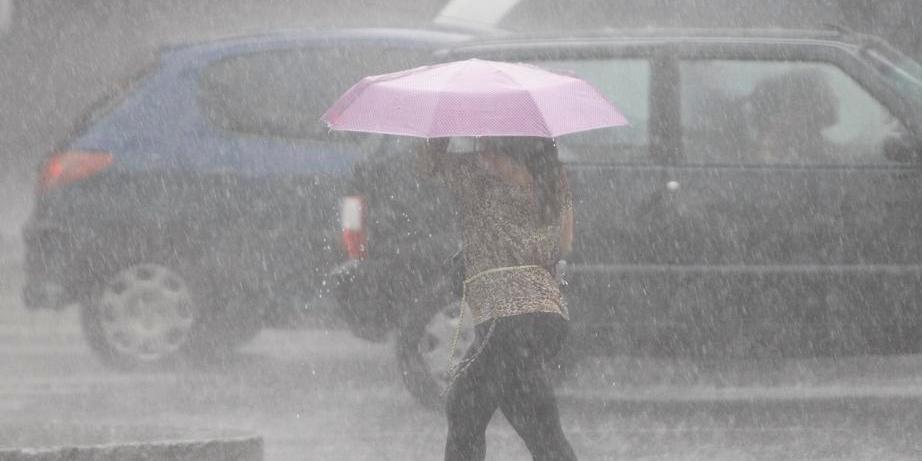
(780, 113)
(625, 82)
(283, 93)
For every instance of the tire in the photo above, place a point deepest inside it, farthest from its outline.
(142, 316)
(152, 315)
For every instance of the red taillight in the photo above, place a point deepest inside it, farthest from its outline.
(71, 166)
(355, 237)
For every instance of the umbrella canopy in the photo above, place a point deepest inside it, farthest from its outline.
(473, 98)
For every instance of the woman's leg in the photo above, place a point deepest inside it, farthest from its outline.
(527, 398)
(472, 400)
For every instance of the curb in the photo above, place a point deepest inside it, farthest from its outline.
(121, 443)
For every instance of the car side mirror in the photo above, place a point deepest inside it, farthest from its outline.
(903, 148)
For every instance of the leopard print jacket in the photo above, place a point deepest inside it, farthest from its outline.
(501, 229)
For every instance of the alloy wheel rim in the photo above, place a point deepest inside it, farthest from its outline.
(146, 312)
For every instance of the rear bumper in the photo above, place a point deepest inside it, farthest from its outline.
(256, 236)
(49, 253)
(62, 263)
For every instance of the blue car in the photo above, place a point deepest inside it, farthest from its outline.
(200, 203)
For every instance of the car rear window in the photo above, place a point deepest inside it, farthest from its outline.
(113, 96)
(283, 93)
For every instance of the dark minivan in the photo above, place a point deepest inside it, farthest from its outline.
(763, 202)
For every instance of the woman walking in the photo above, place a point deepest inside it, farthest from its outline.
(517, 223)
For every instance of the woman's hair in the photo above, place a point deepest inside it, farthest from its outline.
(539, 156)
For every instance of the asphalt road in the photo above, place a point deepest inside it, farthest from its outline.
(317, 394)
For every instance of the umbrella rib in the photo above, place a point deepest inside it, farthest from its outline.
(547, 130)
(335, 111)
(362, 85)
(438, 103)
(441, 93)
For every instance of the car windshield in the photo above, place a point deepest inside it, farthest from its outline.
(286, 230)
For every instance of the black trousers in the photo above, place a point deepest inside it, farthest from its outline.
(509, 374)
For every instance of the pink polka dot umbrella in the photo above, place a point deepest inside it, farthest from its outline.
(473, 98)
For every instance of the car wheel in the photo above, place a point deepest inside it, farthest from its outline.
(144, 315)
(424, 349)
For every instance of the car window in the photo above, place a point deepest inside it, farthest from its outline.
(780, 112)
(625, 82)
(283, 93)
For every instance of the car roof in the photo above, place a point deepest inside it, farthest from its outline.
(454, 41)
(834, 37)
(395, 37)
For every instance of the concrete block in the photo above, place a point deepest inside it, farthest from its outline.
(73, 442)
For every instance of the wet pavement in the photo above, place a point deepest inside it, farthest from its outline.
(321, 394)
